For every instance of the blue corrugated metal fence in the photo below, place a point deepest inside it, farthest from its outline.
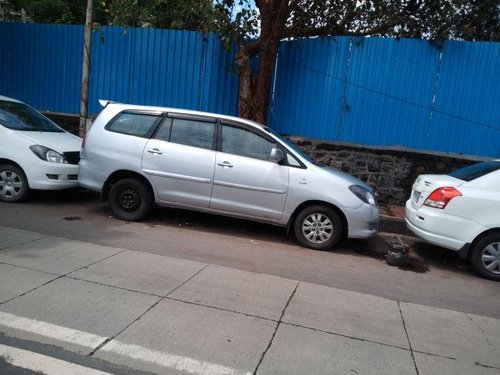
(42, 64)
(368, 91)
(388, 92)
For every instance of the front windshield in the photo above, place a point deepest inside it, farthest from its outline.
(476, 170)
(19, 116)
(291, 145)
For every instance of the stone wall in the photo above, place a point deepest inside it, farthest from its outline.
(390, 171)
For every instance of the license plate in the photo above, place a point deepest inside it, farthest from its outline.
(416, 196)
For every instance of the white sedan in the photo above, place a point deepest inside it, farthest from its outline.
(461, 211)
(35, 153)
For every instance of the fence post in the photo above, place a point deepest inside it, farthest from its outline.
(87, 51)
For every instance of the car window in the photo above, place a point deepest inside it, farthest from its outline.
(138, 124)
(19, 116)
(292, 160)
(476, 170)
(245, 143)
(193, 133)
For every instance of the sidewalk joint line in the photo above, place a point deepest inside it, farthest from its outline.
(486, 366)
(29, 268)
(114, 286)
(57, 278)
(142, 315)
(345, 336)
(221, 309)
(408, 338)
(97, 261)
(32, 290)
(435, 355)
(275, 330)
(185, 282)
(24, 243)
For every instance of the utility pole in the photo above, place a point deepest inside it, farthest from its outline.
(87, 51)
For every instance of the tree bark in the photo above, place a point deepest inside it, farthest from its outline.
(255, 88)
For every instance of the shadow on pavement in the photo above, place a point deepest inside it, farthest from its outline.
(421, 258)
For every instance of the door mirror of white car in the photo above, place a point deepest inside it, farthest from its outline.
(276, 155)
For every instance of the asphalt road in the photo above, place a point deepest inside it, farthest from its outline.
(434, 276)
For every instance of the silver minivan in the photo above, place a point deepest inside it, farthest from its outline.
(136, 156)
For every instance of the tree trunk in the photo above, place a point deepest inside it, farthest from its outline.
(254, 92)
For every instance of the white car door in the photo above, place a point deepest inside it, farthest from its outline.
(180, 161)
(245, 181)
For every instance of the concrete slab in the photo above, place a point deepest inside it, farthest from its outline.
(195, 339)
(142, 272)
(432, 365)
(55, 255)
(246, 292)
(10, 237)
(77, 305)
(452, 334)
(347, 313)
(297, 350)
(15, 281)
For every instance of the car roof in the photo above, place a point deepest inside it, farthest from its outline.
(6, 98)
(123, 106)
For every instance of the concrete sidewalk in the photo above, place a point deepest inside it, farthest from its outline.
(173, 316)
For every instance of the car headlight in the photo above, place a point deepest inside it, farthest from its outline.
(47, 154)
(363, 193)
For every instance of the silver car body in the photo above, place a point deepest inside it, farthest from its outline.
(220, 182)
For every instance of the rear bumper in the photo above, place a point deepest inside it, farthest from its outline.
(435, 227)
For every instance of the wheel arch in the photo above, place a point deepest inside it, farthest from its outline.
(479, 238)
(343, 218)
(120, 175)
(9, 161)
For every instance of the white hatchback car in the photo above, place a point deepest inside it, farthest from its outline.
(461, 211)
(35, 153)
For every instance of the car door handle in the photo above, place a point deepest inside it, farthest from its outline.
(155, 151)
(225, 164)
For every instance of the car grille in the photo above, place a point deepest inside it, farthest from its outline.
(72, 157)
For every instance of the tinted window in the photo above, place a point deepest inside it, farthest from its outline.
(19, 116)
(245, 143)
(476, 170)
(192, 133)
(163, 132)
(138, 124)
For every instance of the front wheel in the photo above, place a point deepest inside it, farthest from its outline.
(485, 257)
(318, 227)
(13, 184)
(130, 199)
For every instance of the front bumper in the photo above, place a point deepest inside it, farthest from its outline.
(363, 222)
(52, 176)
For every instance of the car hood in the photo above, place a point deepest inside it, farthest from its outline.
(350, 180)
(60, 142)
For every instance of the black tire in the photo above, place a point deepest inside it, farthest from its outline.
(14, 185)
(130, 199)
(485, 256)
(318, 227)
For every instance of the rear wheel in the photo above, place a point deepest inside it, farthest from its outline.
(485, 257)
(318, 227)
(13, 183)
(130, 199)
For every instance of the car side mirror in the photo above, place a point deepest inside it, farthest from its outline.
(276, 155)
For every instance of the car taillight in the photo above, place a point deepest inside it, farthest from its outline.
(440, 197)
